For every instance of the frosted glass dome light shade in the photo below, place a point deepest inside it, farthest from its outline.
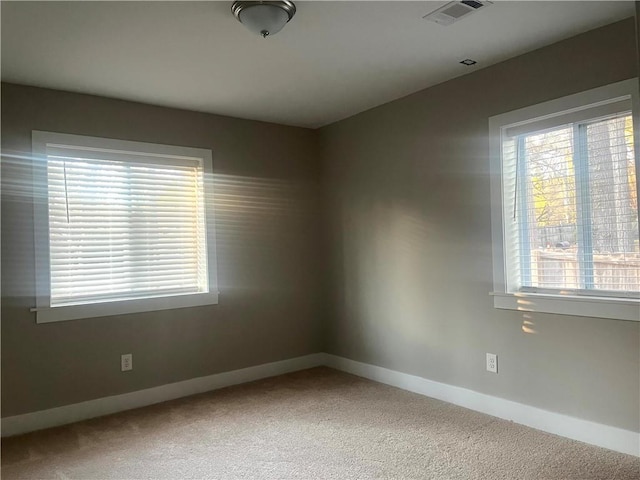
(264, 18)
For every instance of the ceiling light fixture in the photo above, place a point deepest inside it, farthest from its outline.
(264, 18)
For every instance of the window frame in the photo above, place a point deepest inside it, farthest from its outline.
(45, 313)
(506, 294)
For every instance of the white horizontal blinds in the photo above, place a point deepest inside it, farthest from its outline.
(576, 206)
(613, 207)
(124, 229)
(511, 211)
(548, 230)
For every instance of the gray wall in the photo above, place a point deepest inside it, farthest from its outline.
(266, 180)
(409, 231)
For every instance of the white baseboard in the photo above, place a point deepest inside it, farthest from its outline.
(613, 438)
(117, 403)
(618, 439)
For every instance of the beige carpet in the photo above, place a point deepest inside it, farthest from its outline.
(319, 423)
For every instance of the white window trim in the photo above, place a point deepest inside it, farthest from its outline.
(44, 312)
(563, 304)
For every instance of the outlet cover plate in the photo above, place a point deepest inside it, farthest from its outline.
(126, 362)
(492, 363)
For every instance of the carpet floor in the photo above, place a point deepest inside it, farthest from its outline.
(314, 424)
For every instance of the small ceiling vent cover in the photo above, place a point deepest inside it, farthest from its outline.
(454, 11)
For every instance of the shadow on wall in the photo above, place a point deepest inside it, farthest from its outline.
(387, 278)
(259, 225)
(406, 274)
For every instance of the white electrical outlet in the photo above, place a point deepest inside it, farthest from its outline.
(492, 363)
(126, 362)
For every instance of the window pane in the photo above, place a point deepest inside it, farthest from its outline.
(614, 204)
(121, 230)
(577, 208)
(550, 226)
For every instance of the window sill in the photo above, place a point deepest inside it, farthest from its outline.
(123, 307)
(612, 308)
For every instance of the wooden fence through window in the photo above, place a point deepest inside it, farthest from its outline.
(555, 268)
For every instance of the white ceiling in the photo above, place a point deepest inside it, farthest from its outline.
(333, 60)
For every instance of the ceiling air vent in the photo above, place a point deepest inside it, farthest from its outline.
(454, 11)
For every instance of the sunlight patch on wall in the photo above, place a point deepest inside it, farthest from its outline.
(528, 325)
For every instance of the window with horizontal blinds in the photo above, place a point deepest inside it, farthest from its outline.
(571, 203)
(564, 205)
(124, 225)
